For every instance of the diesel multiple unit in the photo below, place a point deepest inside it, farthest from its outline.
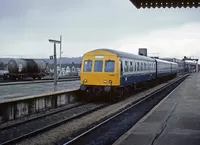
(105, 70)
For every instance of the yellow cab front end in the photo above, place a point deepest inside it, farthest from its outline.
(100, 69)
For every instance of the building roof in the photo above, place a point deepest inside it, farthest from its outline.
(165, 3)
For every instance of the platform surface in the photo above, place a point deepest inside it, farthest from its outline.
(14, 91)
(174, 121)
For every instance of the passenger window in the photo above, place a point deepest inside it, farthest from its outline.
(126, 66)
(138, 66)
(87, 66)
(98, 65)
(109, 66)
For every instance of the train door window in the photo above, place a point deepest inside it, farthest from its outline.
(121, 67)
(141, 66)
(87, 66)
(98, 65)
(126, 66)
(138, 66)
(145, 66)
(150, 66)
(131, 66)
(135, 64)
(109, 66)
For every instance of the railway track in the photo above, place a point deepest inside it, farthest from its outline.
(109, 130)
(12, 133)
(98, 132)
(4, 83)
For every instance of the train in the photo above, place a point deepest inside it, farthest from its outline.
(107, 70)
(25, 68)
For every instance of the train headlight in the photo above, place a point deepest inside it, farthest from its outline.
(85, 81)
(110, 81)
(104, 81)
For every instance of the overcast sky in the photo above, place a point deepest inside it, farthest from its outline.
(26, 26)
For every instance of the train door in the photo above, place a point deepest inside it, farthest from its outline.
(171, 68)
(156, 63)
(121, 67)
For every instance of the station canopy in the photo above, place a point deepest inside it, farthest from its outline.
(165, 3)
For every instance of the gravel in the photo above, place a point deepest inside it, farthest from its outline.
(27, 127)
(110, 131)
(39, 114)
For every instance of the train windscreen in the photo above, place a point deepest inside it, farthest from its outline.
(109, 66)
(87, 66)
(98, 65)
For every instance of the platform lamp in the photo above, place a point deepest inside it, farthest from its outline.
(55, 59)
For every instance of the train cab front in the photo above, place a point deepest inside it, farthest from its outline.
(99, 75)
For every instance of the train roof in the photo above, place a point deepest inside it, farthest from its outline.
(126, 55)
(160, 60)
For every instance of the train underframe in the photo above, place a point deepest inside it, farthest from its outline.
(21, 76)
(115, 93)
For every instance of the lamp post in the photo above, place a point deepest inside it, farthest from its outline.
(60, 53)
(55, 59)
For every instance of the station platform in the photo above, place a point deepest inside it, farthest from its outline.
(22, 90)
(174, 121)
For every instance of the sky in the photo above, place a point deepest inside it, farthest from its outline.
(26, 26)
